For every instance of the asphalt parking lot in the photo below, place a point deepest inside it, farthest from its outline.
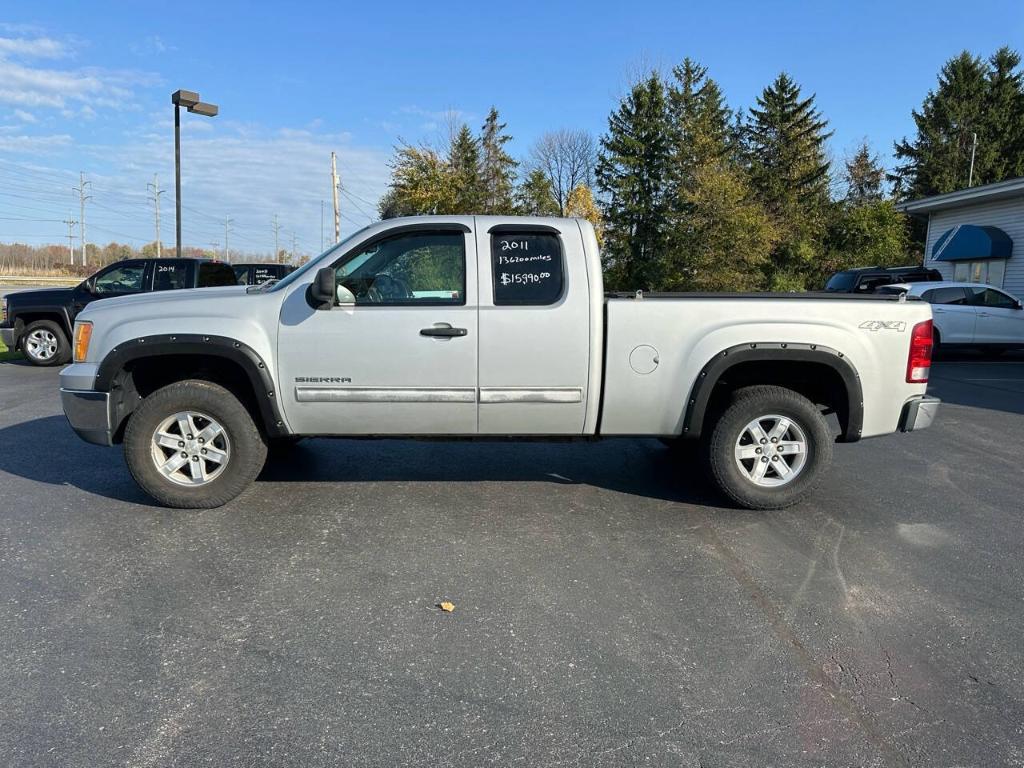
(610, 611)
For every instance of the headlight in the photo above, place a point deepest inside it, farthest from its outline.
(83, 333)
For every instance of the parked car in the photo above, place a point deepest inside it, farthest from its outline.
(484, 326)
(39, 322)
(970, 314)
(869, 279)
(257, 274)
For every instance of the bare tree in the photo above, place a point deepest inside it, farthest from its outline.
(567, 158)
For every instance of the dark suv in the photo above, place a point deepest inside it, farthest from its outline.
(40, 322)
(868, 279)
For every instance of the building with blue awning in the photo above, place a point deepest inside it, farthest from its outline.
(976, 234)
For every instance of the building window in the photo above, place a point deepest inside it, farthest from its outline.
(989, 271)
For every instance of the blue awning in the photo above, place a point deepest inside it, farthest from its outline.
(968, 242)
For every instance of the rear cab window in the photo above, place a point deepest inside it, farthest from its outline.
(215, 273)
(171, 276)
(527, 268)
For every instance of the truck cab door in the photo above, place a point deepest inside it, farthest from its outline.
(397, 353)
(535, 328)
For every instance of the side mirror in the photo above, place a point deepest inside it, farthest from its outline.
(322, 290)
(1018, 305)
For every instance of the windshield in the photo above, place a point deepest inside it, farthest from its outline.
(298, 273)
(841, 281)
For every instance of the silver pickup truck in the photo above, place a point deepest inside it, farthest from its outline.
(490, 326)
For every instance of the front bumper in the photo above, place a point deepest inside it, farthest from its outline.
(8, 337)
(918, 413)
(88, 413)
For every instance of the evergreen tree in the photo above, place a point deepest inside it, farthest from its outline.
(466, 178)
(789, 171)
(700, 121)
(535, 197)
(939, 158)
(864, 176)
(1001, 140)
(497, 168)
(634, 175)
(730, 235)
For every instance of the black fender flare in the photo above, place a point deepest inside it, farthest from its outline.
(56, 312)
(200, 344)
(716, 367)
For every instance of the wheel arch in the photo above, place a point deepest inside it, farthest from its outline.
(820, 373)
(56, 315)
(134, 369)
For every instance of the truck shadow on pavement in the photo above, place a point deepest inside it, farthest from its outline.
(48, 452)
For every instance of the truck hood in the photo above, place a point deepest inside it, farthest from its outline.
(40, 296)
(163, 301)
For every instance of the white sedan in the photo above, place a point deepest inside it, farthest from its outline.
(969, 314)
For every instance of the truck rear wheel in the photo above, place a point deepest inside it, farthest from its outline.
(193, 445)
(45, 343)
(769, 447)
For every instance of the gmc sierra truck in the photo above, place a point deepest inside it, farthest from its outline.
(478, 326)
(39, 322)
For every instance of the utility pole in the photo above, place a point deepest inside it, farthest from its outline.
(277, 230)
(227, 228)
(334, 191)
(71, 238)
(155, 197)
(974, 148)
(321, 226)
(293, 246)
(82, 197)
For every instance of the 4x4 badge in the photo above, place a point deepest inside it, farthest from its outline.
(883, 325)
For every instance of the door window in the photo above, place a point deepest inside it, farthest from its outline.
(122, 278)
(417, 268)
(169, 277)
(527, 268)
(945, 296)
(987, 297)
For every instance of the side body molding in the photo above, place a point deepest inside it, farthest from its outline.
(195, 344)
(775, 352)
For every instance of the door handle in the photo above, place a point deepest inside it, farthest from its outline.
(443, 331)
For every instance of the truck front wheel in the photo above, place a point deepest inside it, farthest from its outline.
(45, 343)
(192, 444)
(769, 447)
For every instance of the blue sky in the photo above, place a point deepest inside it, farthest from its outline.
(84, 86)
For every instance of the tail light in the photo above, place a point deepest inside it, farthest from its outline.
(919, 361)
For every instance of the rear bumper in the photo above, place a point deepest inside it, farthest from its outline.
(918, 413)
(8, 337)
(88, 413)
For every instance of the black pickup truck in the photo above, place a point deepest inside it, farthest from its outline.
(257, 274)
(39, 322)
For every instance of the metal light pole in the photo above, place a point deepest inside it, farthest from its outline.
(190, 101)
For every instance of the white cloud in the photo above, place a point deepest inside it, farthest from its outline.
(25, 117)
(38, 47)
(27, 85)
(34, 144)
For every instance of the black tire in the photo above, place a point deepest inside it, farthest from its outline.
(61, 356)
(749, 404)
(248, 450)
